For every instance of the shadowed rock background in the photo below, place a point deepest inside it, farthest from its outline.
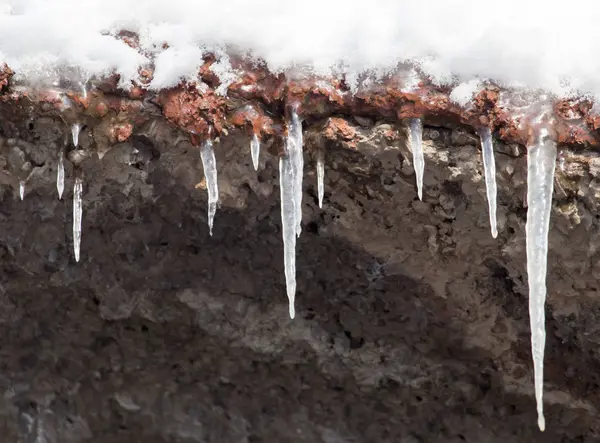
(412, 321)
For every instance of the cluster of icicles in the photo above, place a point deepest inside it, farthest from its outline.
(540, 180)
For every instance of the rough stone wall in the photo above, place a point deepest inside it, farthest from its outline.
(412, 321)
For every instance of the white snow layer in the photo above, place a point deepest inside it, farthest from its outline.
(531, 43)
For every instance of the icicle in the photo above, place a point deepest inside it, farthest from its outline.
(60, 175)
(209, 164)
(541, 162)
(290, 183)
(75, 129)
(416, 137)
(294, 146)
(22, 189)
(489, 167)
(77, 213)
(320, 177)
(255, 150)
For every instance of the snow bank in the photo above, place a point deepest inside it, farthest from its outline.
(529, 43)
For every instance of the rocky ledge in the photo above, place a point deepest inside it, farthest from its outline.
(412, 322)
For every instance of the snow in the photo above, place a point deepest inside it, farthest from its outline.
(524, 43)
(209, 163)
(416, 142)
(489, 168)
(541, 162)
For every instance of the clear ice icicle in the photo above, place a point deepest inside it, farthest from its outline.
(22, 189)
(60, 175)
(489, 168)
(207, 154)
(77, 214)
(416, 138)
(290, 184)
(320, 177)
(255, 150)
(75, 130)
(294, 151)
(541, 162)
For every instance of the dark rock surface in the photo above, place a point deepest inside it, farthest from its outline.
(411, 326)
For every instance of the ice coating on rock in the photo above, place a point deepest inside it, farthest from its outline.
(22, 189)
(320, 177)
(77, 214)
(416, 138)
(255, 150)
(75, 130)
(541, 162)
(60, 175)
(294, 150)
(489, 168)
(209, 163)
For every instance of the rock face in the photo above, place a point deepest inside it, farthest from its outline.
(411, 322)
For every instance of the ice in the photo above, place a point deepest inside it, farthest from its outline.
(60, 175)
(207, 154)
(77, 214)
(489, 168)
(541, 162)
(416, 138)
(294, 150)
(290, 184)
(320, 177)
(255, 150)
(22, 189)
(75, 129)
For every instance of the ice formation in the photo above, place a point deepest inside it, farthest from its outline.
(60, 175)
(416, 139)
(489, 168)
(290, 185)
(22, 189)
(207, 154)
(541, 162)
(320, 177)
(75, 129)
(77, 214)
(255, 150)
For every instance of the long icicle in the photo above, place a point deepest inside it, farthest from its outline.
(320, 177)
(255, 150)
(77, 215)
(60, 175)
(22, 189)
(209, 163)
(416, 137)
(295, 141)
(489, 168)
(541, 162)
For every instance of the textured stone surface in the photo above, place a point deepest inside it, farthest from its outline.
(412, 321)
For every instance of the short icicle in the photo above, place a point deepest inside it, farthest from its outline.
(255, 150)
(290, 184)
(207, 155)
(75, 130)
(489, 168)
(541, 162)
(416, 137)
(320, 177)
(22, 189)
(60, 175)
(77, 215)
